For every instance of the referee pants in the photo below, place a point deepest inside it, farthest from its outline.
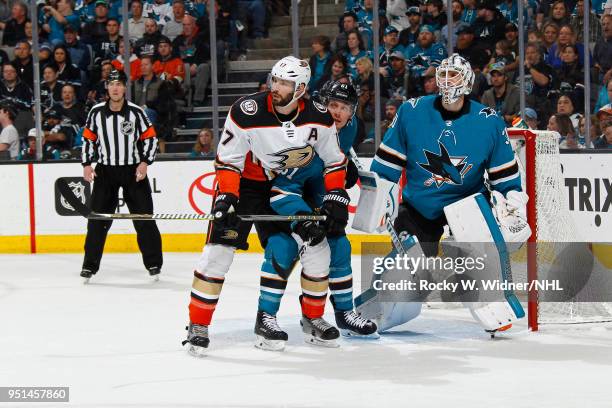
(105, 198)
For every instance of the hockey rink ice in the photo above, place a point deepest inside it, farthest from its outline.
(117, 343)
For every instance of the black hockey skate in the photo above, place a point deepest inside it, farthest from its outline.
(352, 324)
(154, 272)
(197, 337)
(268, 334)
(86, 274)
(319, 332)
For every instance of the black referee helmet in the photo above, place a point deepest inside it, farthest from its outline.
(116, 75)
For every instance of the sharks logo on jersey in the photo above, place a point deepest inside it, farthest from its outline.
(487, 112)
(443, 167)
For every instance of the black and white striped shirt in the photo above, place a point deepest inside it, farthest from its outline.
(118, 138)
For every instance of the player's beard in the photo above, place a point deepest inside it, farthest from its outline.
(278, 100)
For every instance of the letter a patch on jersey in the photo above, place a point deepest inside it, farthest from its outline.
(313, 134)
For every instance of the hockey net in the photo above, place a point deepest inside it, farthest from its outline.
(555, 237)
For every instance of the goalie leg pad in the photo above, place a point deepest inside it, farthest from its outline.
(395, 314)
(495, 315)
(472, 221)
(279, 260)
(208, 279)
(387, 314)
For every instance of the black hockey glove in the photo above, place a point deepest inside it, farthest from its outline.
(224, 209)
(352, 174)
(310, 231)
(335, 207)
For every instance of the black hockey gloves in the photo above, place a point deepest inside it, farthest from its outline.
(352, 174)
(225, 208)
(335, 207)
(309, 231)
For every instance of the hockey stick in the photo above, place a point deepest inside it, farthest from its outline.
(84, 211)
(395, 239)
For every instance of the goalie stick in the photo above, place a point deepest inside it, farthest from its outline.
(86, 212)
(395, 239)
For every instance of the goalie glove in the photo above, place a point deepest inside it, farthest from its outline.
(511, 214)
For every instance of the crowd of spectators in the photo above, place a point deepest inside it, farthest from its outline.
(414, 37)
(81, 41)
(169, 60)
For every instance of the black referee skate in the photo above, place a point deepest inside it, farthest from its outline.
(154, 272)
(352, 324)
(197, 337)
(319, 332)
(268, 334)
(86, 274)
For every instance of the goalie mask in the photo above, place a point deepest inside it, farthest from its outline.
(292, 69)
(454, 77)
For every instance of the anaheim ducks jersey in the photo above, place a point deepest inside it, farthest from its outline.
(254, 135)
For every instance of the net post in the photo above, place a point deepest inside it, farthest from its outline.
(532, 262)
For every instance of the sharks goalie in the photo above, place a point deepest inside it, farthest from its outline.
(461, 172)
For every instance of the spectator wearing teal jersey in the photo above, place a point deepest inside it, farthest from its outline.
(470, 12)
(320, 61)
(58, 17)
(355, 49)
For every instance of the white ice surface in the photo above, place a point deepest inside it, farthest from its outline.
(116, 343)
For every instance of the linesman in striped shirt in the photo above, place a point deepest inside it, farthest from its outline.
(120, 139)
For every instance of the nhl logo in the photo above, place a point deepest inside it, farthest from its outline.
(249, 107)
(80, 189)
(127, 128)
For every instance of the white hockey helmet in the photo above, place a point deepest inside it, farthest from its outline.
(292, 69)
(454, 77)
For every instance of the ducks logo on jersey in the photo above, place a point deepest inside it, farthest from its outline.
(294, 157)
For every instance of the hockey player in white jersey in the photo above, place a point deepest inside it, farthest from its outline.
(447, 144)
(264, 133)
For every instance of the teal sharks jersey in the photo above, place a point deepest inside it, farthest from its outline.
(446, 155)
